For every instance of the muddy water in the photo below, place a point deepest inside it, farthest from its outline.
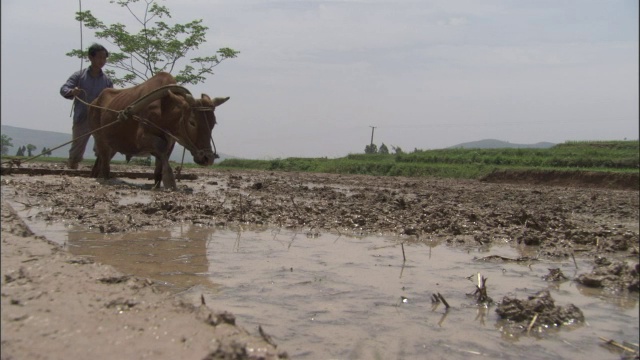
(331, 296)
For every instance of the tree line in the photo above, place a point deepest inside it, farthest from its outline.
(373, 149)
(24, 150)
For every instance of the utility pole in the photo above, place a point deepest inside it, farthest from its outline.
(373, 128)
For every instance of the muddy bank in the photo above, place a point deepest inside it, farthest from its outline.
(56, 306)
(603, 180)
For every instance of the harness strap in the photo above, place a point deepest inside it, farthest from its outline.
(128, 113)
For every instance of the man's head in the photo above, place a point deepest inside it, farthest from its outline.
(98, 56)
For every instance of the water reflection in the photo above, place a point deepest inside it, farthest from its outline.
(620, 299)
(481, 315)
(323, 295)
(177, 258)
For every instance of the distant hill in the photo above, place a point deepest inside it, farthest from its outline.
(499, 144)
(50, 139)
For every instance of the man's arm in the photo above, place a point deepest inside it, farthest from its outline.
(70, 88)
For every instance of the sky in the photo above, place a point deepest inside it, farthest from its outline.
(319, 78)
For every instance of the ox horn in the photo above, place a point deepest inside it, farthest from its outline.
(220, 100)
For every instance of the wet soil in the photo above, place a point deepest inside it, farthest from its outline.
(59, 306)
(559, 219)
(609, 180)
(615, 276)
(562, 220)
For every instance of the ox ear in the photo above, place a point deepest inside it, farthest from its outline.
(219, 101)
(190, 99)
(179, 97)
(171, 94)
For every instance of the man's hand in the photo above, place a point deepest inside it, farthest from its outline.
(75, 92)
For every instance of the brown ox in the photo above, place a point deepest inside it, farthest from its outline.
(148, 119)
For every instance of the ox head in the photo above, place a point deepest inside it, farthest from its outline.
(197, 125)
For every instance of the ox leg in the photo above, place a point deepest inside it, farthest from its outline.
(163, 173)
(105, 165)
(168, 178)
(96, 164)
(157, 173)
(95, 170)
(101, 167)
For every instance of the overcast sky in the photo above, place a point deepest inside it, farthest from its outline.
(314, 76)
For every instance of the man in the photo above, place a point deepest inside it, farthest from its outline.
(85, 84)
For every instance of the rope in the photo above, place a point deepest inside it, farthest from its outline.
(96, 106)
(122, 114)
(81, 59)
(147, 122)
(18, 162)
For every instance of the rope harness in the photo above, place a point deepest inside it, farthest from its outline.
(128, 113)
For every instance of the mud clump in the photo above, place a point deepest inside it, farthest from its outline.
(555, 275)
(614, 276)
(541, 306)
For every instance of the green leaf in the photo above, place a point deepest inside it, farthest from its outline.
(155, 46)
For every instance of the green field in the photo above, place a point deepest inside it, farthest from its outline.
(608, 156)
(580, 156)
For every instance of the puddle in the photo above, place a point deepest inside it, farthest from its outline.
(332, 296)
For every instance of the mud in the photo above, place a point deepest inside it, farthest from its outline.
(559, 221)
(615, 276)
(609, 180)
(538, 310)
(58, 306)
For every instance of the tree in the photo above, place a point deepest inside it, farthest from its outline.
(6, 144)
(371, 149)
(45, 151)
(157, 46)
(20, 151)
(383, 149)
(30, 149)
(397, 150)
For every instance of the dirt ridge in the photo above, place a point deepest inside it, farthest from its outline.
(592, 179)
